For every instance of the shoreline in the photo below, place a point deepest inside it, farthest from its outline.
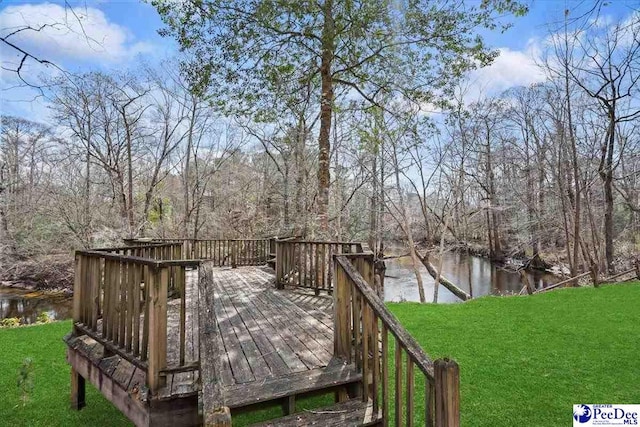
(28, 287)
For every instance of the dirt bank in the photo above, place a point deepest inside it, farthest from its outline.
(44, 273)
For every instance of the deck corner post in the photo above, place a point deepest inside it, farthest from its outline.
(158, 287)
(77, 391)
(219, 418)
(447, 393)
(340, 308)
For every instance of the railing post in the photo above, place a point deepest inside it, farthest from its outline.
(77, 288)
(341, 335)
(157, 300)
(447, 393)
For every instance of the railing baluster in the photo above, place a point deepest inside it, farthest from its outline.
(122, 306)
(136, 308)
(429, 402)
(145, 325)
(183, 311)
(130, 302)
(410, 394)
(366, 368)
(376, 360)
(398, 369)
(385, 373)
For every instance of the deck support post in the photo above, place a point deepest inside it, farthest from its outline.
(219, 418)
(289, 405)
(447, 393)
(77, 390)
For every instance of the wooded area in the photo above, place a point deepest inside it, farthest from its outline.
(342, 121)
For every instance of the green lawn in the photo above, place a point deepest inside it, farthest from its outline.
(49, 403)
(524, 360)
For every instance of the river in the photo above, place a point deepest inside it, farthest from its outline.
(27, 305)
(475, 275)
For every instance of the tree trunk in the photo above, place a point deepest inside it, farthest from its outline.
(326, 107)
(607, 179)
(373, 203)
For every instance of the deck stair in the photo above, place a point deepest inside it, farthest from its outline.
(353, 412)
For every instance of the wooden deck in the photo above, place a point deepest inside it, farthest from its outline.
(173, 336)
(277, 343)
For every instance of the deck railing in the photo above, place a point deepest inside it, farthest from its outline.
(308, 264)
(120, 300)
(222, 252)
(392, 363)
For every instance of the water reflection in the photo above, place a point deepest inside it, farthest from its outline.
(27, 305)
(474, 275)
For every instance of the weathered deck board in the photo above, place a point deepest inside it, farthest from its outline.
(347, 414)
(287, 348)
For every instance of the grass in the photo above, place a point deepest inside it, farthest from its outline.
(49, 400)
(524, 360)
(48, 403)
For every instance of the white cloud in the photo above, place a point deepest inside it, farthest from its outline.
(510, 69)
(81, 34)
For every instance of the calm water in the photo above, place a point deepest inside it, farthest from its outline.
(27, 305)
(474, 275)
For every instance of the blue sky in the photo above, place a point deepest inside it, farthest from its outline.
(120, 32)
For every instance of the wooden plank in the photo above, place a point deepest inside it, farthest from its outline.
(122, 305)
(183, 312)
(131, 291)
(123, 373)
(106, 315)
(336, 375)
(319, 331)
(137, 278)
(144, 351)
(77, 287)
(250, 352)
(281, 321)
(215, 411)
(158, 282)
(385, 373)
(398, 388)
(447, 393)
(303, 328)
(268, 351)
(357, 326)
(130, 405)
(350, 413)
(232, 344)
(375, 348)
(410, 392)
(366, 335)
(271, 333)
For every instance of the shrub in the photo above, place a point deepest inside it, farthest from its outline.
(43, 317)
(9, 322)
